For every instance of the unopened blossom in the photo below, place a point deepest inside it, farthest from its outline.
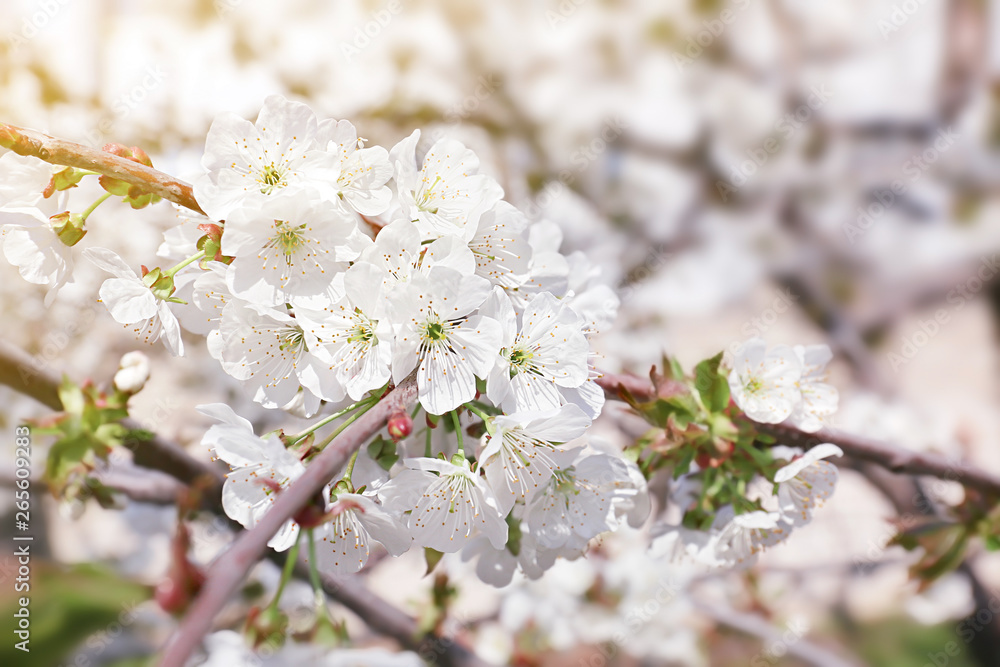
(764, 383)
(435, 333)
(287, 248)
(518, 455)
(542, 351)
(819, 399)
(343, 542)
(444, 193)
(444, 505)
(132, 303)
(132, 373)
(806, 482)
(261, 468)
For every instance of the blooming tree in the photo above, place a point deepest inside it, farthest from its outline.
(394, 298)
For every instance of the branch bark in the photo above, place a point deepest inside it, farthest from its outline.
(891, 457)
(58, 151)
(22, 373)
(232, 566)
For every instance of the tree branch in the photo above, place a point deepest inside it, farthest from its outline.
(22, 373)
(891, 457)
(231, 567)
(58, 151)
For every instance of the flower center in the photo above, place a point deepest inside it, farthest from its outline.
(291, 340)
(435, 331)
(288, 239)
(363, 331)
(270, 178)
(425, 195)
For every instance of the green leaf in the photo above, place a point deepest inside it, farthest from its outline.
(67, 606)
(432, 557)
(711, 385)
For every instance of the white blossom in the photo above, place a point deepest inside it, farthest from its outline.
(261, 467)
(444, 194)
(444, 511)
(435, 333)
(517, 457)
(819, 399)
(542, 351)
(343, 542)
(764, 383)
(806, 482)
(132, 303)
(288, 248)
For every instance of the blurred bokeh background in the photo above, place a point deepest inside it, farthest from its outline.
(803, 171)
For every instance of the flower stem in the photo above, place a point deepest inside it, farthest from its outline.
(458, 432)
(367, 404)
(427, 444)
(286, 573)
(93, 207)
(295, 439)
(193, 258)
(487, 419)
(314, 578)
(350, 466)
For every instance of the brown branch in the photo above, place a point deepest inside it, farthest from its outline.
(58, 151)
(891, 457)
(22, 373)
(231, 567)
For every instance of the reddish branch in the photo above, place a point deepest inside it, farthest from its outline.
(857, 447)
(58, 151)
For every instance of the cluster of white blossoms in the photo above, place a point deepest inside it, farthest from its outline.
(735, 540)
(770, 386)
(783, 383)
(325, 270)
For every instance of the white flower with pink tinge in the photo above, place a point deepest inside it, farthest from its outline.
(806, 482)
(819, 399)
(764, 383)
(343, 542)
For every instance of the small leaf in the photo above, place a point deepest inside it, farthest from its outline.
(711, 385)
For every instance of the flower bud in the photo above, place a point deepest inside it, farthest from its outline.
(133, 371)
(400, 426)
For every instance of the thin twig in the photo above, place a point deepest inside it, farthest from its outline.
(891, 457)
(58, 151)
